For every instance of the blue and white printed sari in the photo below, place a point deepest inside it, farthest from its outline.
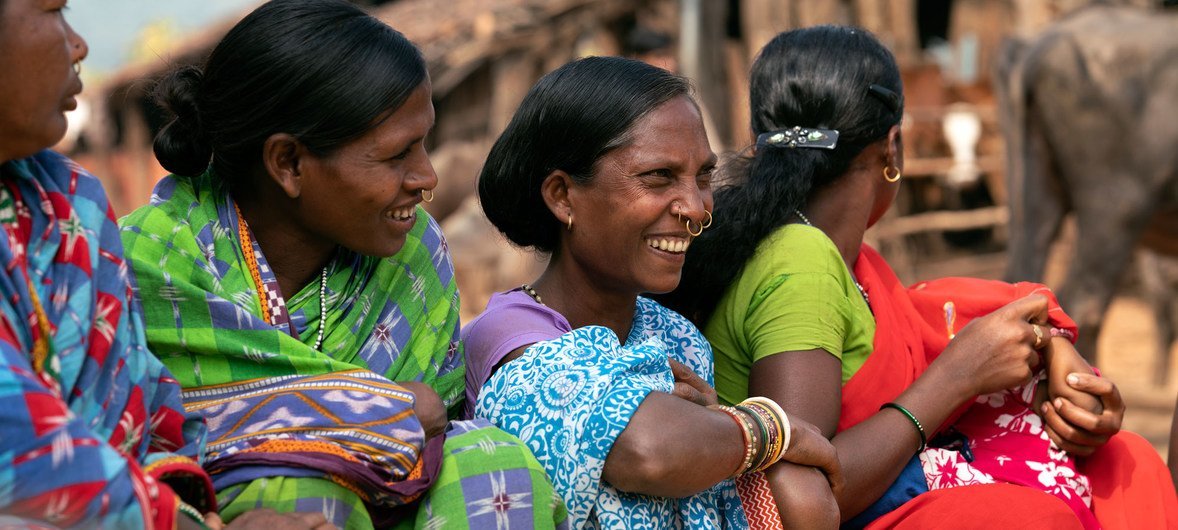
(569, 398)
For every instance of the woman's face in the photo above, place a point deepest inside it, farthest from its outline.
(37, 52)
(364, 195)
(626, 234)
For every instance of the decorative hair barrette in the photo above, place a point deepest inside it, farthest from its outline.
(800, 137)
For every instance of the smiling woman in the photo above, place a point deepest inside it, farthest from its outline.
(306, 303)
(611, 390)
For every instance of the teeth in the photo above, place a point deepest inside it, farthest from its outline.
(402, 214)
(669, 245)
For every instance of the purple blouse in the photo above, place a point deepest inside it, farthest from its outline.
(512, 319)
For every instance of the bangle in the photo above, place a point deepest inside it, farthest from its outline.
(779, 416)
(763, 448)
(746, 435)
(190, 511)
(916, 422)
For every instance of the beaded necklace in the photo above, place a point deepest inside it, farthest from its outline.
(532, 293)
(859, 286)
(251, 261)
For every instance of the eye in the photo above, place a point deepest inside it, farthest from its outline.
(662, 173)
(704, 178)
(404, 154)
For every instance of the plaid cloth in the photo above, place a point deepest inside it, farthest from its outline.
(394, 318)
(92, 432)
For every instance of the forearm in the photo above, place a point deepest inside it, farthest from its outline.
(875, 451)
(674, 448)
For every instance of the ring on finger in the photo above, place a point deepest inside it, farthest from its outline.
(1038, 335)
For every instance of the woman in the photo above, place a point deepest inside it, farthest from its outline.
(800, 310)
(304, 300)
(91, 425)
(609, 389)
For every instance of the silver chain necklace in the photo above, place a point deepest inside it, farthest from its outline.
(859, 286)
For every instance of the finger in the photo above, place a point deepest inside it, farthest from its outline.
(1031, 308)
(1041, 336)
(1101, 425)
(1067, 431)
(1098, 386)
(311, 519)
(213, 521)
(1063, 445)
(685, 391)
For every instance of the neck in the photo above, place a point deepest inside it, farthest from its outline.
(842, 211)
(569, 291)
(295, 255)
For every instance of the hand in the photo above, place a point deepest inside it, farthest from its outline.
(1079, 431)
(995, 352)
(428, 407)
(1062, 359)
(690, 386)
(267, 519)
(808, 447)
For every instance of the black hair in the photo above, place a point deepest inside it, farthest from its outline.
(829, 77)
(323, 71)
(567, 121)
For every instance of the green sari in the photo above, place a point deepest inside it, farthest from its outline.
(295, 428)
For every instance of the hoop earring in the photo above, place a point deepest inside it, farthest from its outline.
(431, 196)
(892, 178)
(694, 234)
(570, 222)
(708, 224)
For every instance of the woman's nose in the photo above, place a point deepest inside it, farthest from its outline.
(78, 47)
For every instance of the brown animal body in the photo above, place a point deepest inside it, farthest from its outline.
(1090, 112)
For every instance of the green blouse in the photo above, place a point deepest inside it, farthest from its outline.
(794, 294)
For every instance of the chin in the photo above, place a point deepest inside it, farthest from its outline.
(386, 250)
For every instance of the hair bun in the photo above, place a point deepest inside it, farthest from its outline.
(182, 146)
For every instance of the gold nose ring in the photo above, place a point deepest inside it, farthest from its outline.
(708, 224)
(431, 196)
(689, 231)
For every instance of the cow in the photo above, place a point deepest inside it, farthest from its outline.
(1089, 112)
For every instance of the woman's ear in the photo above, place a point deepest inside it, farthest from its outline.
(282, 155)
(555, 190)
(895, 148)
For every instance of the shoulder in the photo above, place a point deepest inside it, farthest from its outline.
(510, 314)
(798, 249)
(511, 320)
(171, 199)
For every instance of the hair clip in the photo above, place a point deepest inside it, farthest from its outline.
(887, 96)
(800, 137)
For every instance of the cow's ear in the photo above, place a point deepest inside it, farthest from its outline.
(555, 190)
(894, 152)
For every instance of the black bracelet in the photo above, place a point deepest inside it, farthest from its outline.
(916, 422)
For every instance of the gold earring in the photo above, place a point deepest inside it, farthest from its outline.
(694, 234)
(431, 196)
(570, 222)
(891, 178)
(78, 68)
(708, 224)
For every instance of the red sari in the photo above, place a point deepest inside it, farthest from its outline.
(1131, 487)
